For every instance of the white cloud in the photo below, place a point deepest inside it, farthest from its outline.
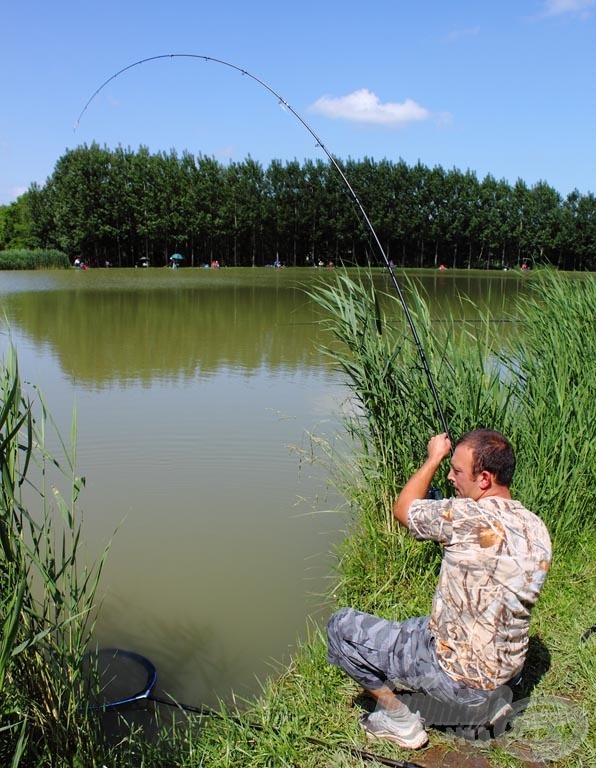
(576, 7)
(364, 106)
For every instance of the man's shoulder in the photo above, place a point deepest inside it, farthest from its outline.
(458, 510)
(515, 516)
(447, 507)
(512, 506)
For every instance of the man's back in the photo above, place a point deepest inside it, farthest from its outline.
(496, 557)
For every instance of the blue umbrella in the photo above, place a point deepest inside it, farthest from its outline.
(176, 257)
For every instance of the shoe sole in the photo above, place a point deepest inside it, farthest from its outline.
(407, 744)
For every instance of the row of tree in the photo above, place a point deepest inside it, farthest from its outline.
(120, 205)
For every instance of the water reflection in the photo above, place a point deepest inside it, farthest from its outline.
(125, 334)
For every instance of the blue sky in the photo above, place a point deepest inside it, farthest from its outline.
(506, 88)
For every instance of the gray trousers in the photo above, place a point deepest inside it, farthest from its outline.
(401, 655)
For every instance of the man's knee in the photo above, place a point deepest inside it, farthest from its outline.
(336, 632)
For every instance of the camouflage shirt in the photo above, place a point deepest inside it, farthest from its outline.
(495, 559)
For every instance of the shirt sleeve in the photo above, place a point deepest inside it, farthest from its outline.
(431, 520)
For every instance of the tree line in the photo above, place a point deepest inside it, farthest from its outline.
(119, 206)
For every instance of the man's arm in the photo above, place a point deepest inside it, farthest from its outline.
(417, 486)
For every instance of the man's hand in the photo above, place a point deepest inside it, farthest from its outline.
(417, 486)
(439, 447)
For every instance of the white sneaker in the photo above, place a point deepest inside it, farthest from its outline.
(401, 726)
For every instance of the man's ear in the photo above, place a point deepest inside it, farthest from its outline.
(485, 480)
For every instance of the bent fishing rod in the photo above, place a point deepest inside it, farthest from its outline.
(333, 161)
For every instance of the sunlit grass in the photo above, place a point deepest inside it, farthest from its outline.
(552, 362)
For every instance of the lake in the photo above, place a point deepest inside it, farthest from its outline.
(196, 394)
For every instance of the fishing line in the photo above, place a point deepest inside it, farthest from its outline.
(287, 106)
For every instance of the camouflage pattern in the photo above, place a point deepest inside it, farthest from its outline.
(495, 560)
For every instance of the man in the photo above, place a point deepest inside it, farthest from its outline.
(496, 555)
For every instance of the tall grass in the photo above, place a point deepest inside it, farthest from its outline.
(46, 595)
(392, 416)
(551, 363)
(538, 386)
(22, 258)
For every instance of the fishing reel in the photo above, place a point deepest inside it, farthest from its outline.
(434, 493)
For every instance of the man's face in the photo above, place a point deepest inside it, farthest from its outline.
(465, 482)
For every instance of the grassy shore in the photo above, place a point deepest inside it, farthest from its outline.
(537, 386)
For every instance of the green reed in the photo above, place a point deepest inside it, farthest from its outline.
(38, 258)
(47, 594)
(538, 386)
(393, 414)
(552, 365)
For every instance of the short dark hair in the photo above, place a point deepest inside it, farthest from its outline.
(492, 452)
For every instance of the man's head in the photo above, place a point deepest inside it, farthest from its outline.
(483, 464)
